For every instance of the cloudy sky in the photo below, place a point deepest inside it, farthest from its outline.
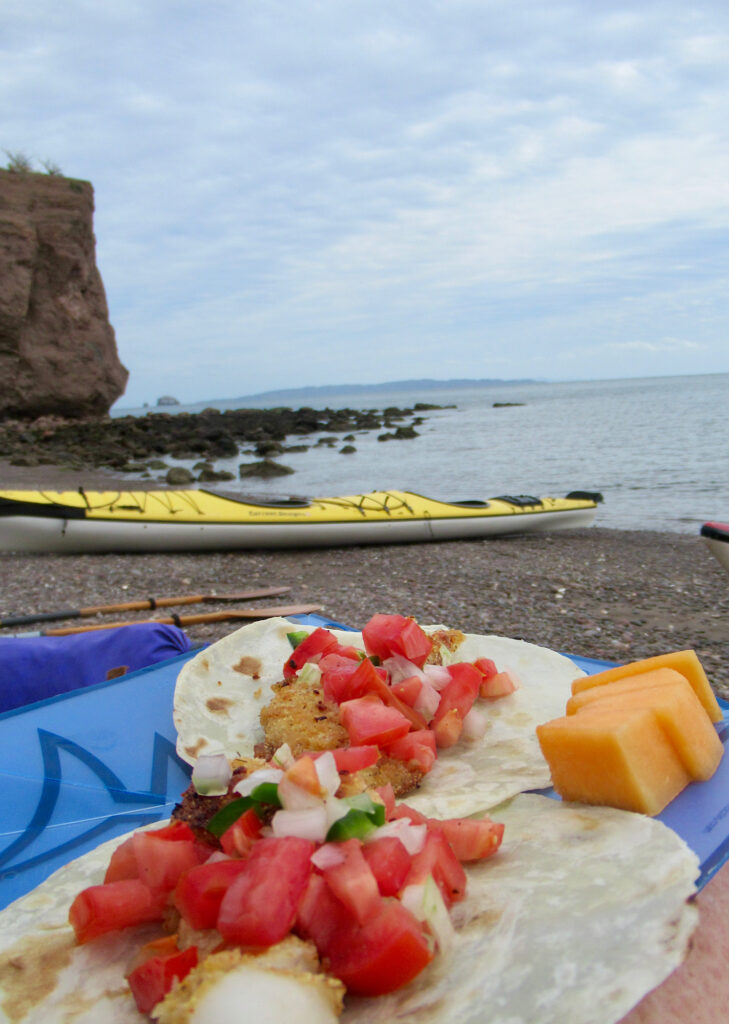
(297, 192)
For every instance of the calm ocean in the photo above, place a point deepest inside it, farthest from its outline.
(653, 447)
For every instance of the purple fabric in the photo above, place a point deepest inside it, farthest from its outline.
(35, 668)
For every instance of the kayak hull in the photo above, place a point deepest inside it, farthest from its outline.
(202, 521)
(716, 537)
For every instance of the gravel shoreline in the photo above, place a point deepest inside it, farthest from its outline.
(609, 594)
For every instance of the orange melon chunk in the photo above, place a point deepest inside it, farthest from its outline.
(606, 757)
(685, 662)
(677, 709)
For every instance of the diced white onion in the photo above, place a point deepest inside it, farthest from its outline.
(310, 673)
(427, 701)
(424, 901)
(327, 856)
(411, 836)
(310, 823)
(437, 675)
(249, 783)
(211, 774)
(296, 798)
(336, 809)
(400, 668)
(326, 770)
(216, 856)
(474, 726)
(283, 757)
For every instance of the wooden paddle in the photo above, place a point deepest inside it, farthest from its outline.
(191, 620)
(137, 606)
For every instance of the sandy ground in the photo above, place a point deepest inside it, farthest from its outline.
(607, 594)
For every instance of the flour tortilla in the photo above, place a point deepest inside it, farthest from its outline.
(580, 914)
(220, 693)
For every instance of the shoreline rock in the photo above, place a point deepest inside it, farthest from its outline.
(126, 443)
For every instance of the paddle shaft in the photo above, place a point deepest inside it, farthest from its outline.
(191, 620)
(138, 606)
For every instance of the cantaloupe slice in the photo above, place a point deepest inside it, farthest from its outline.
(677, 708)
(685, 662)
(608, 757)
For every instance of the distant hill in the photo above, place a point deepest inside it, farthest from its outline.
(425, 384)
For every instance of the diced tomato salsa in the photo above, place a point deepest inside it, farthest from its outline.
(344, 899)
(434, 713)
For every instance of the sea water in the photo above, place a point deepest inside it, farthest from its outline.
(654, 447)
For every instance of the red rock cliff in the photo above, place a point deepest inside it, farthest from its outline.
(57, 348)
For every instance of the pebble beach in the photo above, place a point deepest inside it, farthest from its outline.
(614, 595)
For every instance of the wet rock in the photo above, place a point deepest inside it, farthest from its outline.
(179, 476)
(208, 474)
(266, 468)
(400, 434)
(268, 448)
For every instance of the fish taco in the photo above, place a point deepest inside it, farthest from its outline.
(582, 911)
(221, 693)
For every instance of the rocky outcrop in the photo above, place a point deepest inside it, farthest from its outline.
(58, 353)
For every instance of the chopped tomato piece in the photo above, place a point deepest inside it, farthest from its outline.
(113, 906)
(336, 674)
(460, 692)
(353, 882)
(367, 677)
(154, 977)
(259, 907)
(500, 685)
(470, 838)
(374, 680)
(448, 728)
(416, 748)
(353, 759)
(368, 720)
(408, 690)
(438, 859)
(405, 811)
(381, 955)
(315, 644)
(486, 667)
(161, 862)
(319, 914)
(347, 651)
(387, 795)
(123, 862)
(389, 862)
(239, 837)
(200, 891)
(385, 635)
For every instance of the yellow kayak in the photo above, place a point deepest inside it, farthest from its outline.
(194, 520)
